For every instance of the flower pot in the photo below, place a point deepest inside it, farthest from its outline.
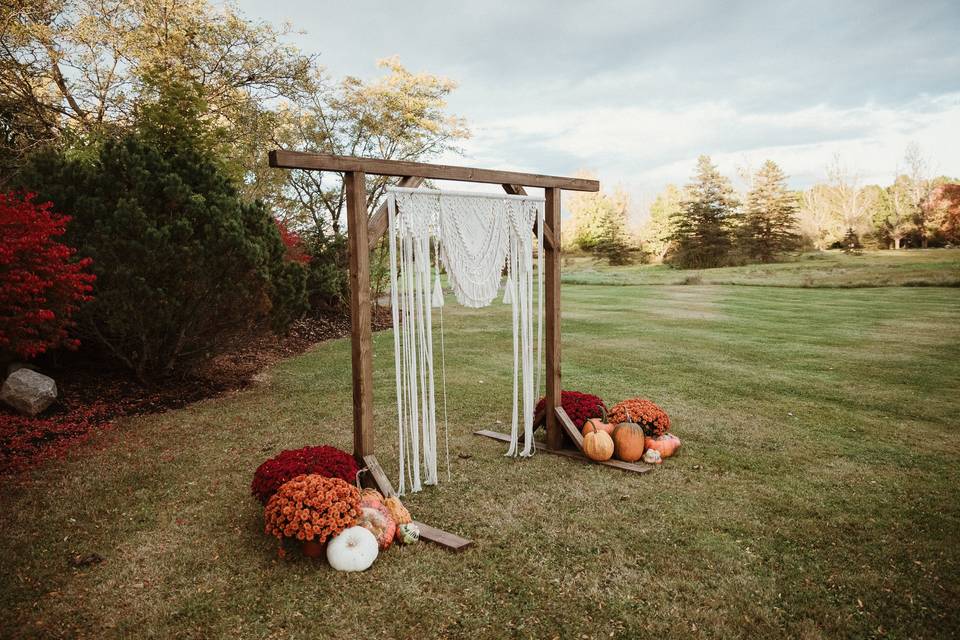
(313, 549)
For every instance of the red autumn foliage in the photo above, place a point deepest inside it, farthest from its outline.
(24, 441)
(579, 406)
(295, 249)
(326, 461)
(41, 286)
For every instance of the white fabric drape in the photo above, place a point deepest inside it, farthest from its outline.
(475, 236)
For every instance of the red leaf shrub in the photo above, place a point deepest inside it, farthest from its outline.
(326, 461)
(292, 243)
(41, 287)
(653, 419)
(579, 406)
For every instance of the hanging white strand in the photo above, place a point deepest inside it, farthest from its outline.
(514, 313)
(443, 361)
(395, 313)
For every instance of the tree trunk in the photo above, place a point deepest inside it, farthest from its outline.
(896, 243)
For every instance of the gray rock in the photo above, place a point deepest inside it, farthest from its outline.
(28, 392)
(16, 366)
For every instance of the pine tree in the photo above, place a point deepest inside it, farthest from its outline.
(702, 235)
(611, 242)
(770, 222)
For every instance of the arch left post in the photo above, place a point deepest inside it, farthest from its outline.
(360, 315)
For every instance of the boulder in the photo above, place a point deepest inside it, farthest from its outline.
(28, 392)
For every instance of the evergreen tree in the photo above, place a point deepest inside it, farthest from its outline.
(702, 235)
(657, 231)
(611, 242)
(184, 265)
(770, 221)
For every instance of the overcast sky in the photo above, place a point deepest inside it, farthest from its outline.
(635, 91)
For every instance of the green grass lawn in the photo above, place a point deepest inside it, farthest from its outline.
(816, 494)
(916, 267)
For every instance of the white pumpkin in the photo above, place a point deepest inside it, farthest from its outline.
(354, 549)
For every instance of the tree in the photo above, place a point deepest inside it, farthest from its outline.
(770, 220)
(657, 230)
(901, 209)
(919, 188)
(587, 210)
(817, 222)
(945, 204)
(41, 285)
(183, 264)
(611, 243)
(398, 117)
(77, 69)
(702, 229)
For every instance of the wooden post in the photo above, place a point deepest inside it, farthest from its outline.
(551, 314)
(361, 344)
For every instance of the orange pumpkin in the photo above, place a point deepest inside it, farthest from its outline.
(628, 441)
(598, 445)
(599, 424)
(666, 444)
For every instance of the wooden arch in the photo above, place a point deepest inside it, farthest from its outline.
(364, 232)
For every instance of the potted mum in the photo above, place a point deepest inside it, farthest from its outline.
(311, 509)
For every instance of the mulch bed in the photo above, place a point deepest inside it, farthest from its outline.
(92, 395)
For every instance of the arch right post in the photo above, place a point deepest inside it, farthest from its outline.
(551, 312)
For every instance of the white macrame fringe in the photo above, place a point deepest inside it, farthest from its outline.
(475, 236)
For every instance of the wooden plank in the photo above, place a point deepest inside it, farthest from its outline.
(551, 314)
(569, 428)
(571, 453)
(361, 342)
(517, 190)
(378, 477)
(443, 538)
(379, 221)
(325, 162)
(539, 418)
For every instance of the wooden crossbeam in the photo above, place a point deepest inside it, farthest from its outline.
(325, 162)
(569, 428)
(571, 453)
(380, 220)
(382, 484)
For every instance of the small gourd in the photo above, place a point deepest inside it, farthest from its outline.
(667, 444)
(354, 549)
(597, 444)
(377, 521)
(398, 512)
(600, 424)
(628, 441)
(408, 533)
(652, 456)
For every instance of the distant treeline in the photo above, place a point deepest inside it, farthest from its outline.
(707, 224)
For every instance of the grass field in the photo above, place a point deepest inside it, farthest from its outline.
(816, 494)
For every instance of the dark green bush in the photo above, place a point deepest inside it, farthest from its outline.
(183, 265)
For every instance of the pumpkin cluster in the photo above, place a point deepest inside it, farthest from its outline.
(634, 429)
(311, 507)
(579, 406)
(325, 461)
(652, 419)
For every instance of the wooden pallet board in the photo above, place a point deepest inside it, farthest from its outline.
(446, 539)
(571, 453)
(443, 538)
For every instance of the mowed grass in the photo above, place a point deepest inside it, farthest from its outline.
(914, 267)
(816, 495)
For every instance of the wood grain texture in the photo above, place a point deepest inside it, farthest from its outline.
(377, 476)
(551, 315)
(380, 220)
(571, 453)
(361, 343)
(443, 538)
(325, 162)
(569, 428)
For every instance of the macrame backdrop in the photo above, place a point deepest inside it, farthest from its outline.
(475, 236)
